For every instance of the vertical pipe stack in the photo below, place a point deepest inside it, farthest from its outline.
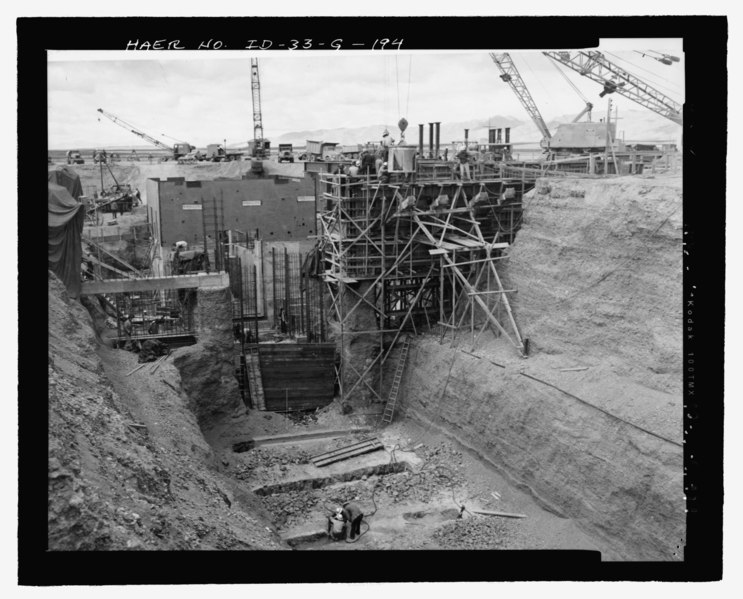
(438, 139)
(420, 139)
(466, 138)
(430, 138)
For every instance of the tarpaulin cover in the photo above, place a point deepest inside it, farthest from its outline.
(65, 226)
(67, 178)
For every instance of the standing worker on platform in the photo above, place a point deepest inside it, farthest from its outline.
(464, 163)
(387, 141)
(352, 514)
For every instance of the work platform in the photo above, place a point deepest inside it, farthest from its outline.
(419, 253)
(195, 281)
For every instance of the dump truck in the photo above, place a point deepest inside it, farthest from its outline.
(75, 157)
(351, 152)
(320, 150)
(286, 153)
(216, 153)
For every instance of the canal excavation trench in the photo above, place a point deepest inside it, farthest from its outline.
(422, 498)
(583, 438)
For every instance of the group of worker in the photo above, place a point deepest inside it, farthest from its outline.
(345, 522)
(369, 163)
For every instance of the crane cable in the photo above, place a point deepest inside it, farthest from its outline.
(410, 71)
(647, 71)
(397, 82)
(570, 83)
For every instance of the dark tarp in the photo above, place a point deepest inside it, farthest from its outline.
(65, 226)
(67, 178)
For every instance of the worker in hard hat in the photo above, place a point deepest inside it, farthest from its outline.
(337, 525)
(352, 514)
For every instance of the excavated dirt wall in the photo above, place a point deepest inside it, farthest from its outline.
(591, 422)
(128, 465)
(207, 369)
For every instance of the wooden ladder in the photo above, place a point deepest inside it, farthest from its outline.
(389, 409)
(255, 381)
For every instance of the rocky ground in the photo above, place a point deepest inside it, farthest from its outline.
(128, 466)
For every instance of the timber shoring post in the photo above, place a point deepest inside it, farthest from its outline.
(287, 296)
(242, 308)
(255, 301)
(273, 282)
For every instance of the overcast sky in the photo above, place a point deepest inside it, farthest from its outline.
(200, 98)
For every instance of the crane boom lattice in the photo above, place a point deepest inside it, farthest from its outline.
(511, 75)
(597, 67)
(131, 128)
(256, 87)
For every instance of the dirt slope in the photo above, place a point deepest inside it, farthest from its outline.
(117, 486)
(591, 422)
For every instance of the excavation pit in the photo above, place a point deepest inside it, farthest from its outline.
(307, 476)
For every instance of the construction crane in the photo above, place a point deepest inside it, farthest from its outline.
(510, 74)
(597, 67)
(667, 59)
(179, 149)
(259, 145)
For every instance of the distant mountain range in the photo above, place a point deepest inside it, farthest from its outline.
(635, 125)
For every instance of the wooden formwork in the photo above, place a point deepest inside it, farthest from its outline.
(420, 254)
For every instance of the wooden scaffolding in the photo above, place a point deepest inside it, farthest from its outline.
(419, 253)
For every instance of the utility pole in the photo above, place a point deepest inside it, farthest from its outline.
(608, 136)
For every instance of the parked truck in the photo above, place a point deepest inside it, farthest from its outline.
(320, 150)
(217, 153)
(286, 153)
(75, 157)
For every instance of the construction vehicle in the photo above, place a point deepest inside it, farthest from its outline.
(216, 153)
(286, 153)
(75, 157)
(666, 59)
(614, 79)
(351, 152)
(177, 150)
(320, 150)
(100, 156)
(259, 148)
(569, 138)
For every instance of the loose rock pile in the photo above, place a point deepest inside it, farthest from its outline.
(263, 458)
(477, 533)
(441, 470)
(291, 507)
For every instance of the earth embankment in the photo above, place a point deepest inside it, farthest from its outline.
(128, 465)
(591, 421)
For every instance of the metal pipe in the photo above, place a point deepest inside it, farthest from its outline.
(466, 138)
(430, 139)
(420, 139)
(438, 139)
